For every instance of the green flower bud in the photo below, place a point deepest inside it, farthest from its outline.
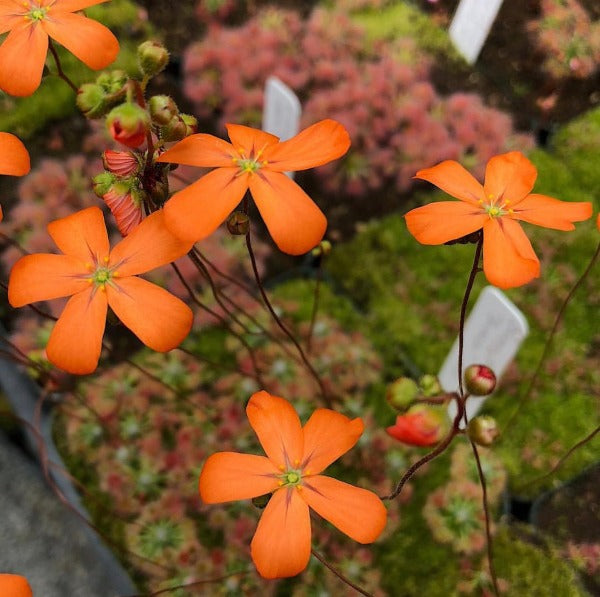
(430, 386)
(483, 430)
(91, 100)
(402, 393)
(191, 123)
(113, 83)
(152, 57)
(322, 249)
(162, 109)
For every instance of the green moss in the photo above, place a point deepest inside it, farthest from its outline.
(401, 20)
(54, 99)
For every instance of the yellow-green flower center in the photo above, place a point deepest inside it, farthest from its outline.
(291, 478)
(495, 210)
(248, 165)
(37, 14)
(101, 275)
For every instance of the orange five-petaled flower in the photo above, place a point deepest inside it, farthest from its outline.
(291, 470)
(31, 22)
(14, 159)
(97, 278)
(257, 161)
(13, 585)
(495, 207)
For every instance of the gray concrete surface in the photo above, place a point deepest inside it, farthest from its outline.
(41, 539)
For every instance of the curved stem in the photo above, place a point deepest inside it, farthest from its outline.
(488, 532)
(59, 69)
(339, 574)
(525, 396)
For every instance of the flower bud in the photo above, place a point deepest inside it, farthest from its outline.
(322, 249)
(121, 163)
(402, 393)
(238, 223)
(430, 386)
(90, 100)
(152, 57)
(174, 130)
(483, 430)
(422, 425)
(162, 109)
(113, 83)
(128, 124)
(191, 124)
(125, 201)
(101, 183)
(480, 380)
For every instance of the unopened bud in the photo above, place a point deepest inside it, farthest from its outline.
(113, 82)
(191, 124)
(422, 425)
(402, 393)
(430, 386)
(90, 100)
(162, 109)
(480, 380)
(322, 249)
(121, 163)
(238, 223)
(152, 57)
(174, 130)
(128, 124)
(483, 430)
(101, 183)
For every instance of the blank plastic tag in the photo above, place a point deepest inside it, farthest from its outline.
(471, 25)
(281, 111)
(494, 332)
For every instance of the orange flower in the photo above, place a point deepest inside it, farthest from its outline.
(31, 22)
(290, 472)
(97, 278)
(13, 585)
(14, 159)
(421, 426)
(257, 161)
(504, 198)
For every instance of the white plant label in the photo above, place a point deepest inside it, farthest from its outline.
(471, 25)
(493, 334)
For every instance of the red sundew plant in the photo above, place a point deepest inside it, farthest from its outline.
(210, 428)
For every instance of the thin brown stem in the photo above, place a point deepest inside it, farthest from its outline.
(339, 574)
(525, 396)
(283, 327)
(486, 511)
(59, 69)
(562, 460)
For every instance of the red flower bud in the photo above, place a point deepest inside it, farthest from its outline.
(479, 380)
(128, 124)
(483, 430)
(422, 425)
(121, 163)
(125, 203)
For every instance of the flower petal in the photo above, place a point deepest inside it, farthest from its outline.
(43, 276)
(294, 221)
(90, 41)
(453, 179)
(13, 585)
(159, 319)
(228, 476)
(278, 428)
(328, 435)
(150, 245)
(509, 176)
(82, 235)
(249, 142)
(552, 213)
(281, 545)
(508, 257)
(205, 151)
(22, 58)
(358, 513)
(318, 144)
(11, 15)
(76, 340)
(438, 223)
(75, 5)
(197, 211)
(14, 159)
